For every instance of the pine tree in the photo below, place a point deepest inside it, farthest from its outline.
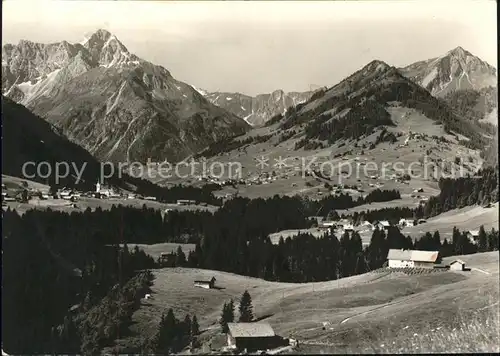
(493, 240)
(167, 332)
(187, 327)
(344, 257)
(482, 240)
(230, 311)
(246, 308)
(180, 258)
(224, 318)
(195, 327)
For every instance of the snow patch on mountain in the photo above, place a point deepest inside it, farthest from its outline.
(201, 91)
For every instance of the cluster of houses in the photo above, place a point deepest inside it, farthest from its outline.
(346, 225)
(411, 136)
(27, 193)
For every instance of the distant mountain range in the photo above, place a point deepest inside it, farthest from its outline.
(257, 110)
(457, 69)
(117, 106)
(122, 108)
(361, 102)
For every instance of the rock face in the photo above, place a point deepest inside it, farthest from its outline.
(117, 106)
(259, 109)
(456, 70)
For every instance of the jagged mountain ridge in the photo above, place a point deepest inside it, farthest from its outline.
(257, 110)
(455, 70)
(117, 106)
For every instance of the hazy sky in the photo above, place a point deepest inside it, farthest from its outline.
(257, 47)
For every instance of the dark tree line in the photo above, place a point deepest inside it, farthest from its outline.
(359, 121)
(460, 192)
(393, 215)
(345, 201)
(481, 189)
(172, 194)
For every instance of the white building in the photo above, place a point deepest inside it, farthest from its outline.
(367, 225)
(384, 225)
(406, 222)
(411, 258)
(348, 227)
(326, 224)
(473, 236)
(457, 265)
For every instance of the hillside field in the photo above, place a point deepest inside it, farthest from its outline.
(357, 310)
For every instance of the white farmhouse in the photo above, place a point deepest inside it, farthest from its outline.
(384, 225)
(406, 222)
(411, 258)
(457, 265)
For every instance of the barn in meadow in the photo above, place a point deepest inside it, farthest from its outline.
(252, 336)
(210, 284)
(412, 258)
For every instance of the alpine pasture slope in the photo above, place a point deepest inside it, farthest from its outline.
(345, 315)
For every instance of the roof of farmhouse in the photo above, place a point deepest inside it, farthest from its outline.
(250, 330)
(413, 255)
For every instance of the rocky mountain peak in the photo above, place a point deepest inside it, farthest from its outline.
(106, 49)
(377, 65)
(278, 94)
(457, 69)
(459, 51)
(102, 34)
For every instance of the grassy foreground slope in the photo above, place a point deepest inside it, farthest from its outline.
(336, 316)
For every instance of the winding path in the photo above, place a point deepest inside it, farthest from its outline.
(480, 270)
